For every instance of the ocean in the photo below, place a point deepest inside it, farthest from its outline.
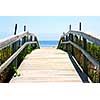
(50, 43)
(43, 43)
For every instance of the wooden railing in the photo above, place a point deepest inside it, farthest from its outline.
(85, 49)
(13, 51)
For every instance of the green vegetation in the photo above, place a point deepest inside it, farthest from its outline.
(15, 71)
(94, 50)
(11, 70)
(87, 66)
(29, 48)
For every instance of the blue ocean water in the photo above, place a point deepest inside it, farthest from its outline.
(43, 43)
(48, 43)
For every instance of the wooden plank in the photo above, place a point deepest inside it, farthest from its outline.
(46, 65)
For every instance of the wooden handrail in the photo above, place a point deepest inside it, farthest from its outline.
(4, 43)
(14, 42)
(11, 40)
(8, 61)
(96, 63)
(87, 61)
(86, 36)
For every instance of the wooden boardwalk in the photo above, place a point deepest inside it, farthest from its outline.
(46, 65)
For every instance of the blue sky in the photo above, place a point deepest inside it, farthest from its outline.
(48, 27)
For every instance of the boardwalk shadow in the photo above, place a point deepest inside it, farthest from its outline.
(82, 75)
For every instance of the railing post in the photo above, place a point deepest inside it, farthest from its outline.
(26, 38)
(22, 41)
(15, 29)
(71, 39)
(76, 42)
(80, 26)
(97, 80)
(84, 58)
(69, 27)
(31, 38)
(19, 43)
(76, 39)
(62, 40)
(37, 44)
(13, 47)
(24, 28)
(66, 44)
(59, 44)
(71, 47)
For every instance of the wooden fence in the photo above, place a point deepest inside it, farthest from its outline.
(12, 52)
(85, 49)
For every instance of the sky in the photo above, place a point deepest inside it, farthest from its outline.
(48, 27)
